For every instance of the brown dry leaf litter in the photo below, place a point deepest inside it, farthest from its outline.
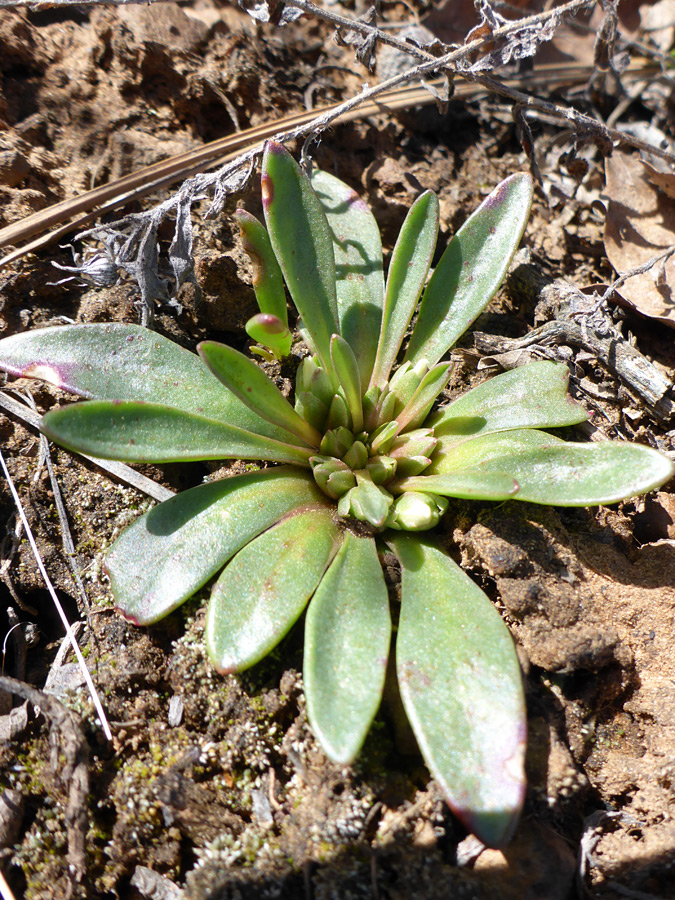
(640, 226)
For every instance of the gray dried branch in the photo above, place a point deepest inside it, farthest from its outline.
(70, 757)
(132, 241)
(97, 267)
(506, 29)
(131, 244)
(562, 302)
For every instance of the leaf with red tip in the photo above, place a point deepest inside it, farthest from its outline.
(461, 687)
(127, 362)
(268, 283)
(471, 269)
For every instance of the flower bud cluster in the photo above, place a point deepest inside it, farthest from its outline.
(361, 470)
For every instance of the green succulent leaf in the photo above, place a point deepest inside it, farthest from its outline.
(408, 270)
(461, 687)
(555, 472)
(357, 246)
(303, 244)
(264, 589)
(347, 371)
(268, 282)
(471, 269)
(531, 396)
(465, 484)
(347, 635)
(248, 382)
(417, 410)
(127, 362)
(311, 409)
(170, 552)
(148, 432)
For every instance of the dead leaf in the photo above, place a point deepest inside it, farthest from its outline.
(657, 23)
(663, 180)
(640, 225)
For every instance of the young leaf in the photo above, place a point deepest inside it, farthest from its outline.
(408, 270)
(303, 244)
(171, 551)
(555, 472)
(271, 332)
(357, 246)
(248, 382)
(471, 269)
(531, 396)
(367, 502)
(268, 283)
(347, 371)
(416, 411)
(127, 362)
(148, 432)
(461, 688)
(265, 588)
(347, 634)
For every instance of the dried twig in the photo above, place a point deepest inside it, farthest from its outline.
(131, 242)
(637, 270)
(73, 766)
(57, 603)
(563, 302)
(119, 471)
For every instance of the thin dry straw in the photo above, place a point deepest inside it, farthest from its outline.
(66, 624)
(5, 889)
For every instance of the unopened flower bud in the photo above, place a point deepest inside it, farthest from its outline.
(381, 469)
(408, 466)
(383, 437)
(367, 502)
(336, 442)
(338, 413)
(369, 403)
(405, 382)
(387, 406)
(419, 442)
(271, 332)
(357, 456)
(415, 511)
(311, 409)
(332, 476)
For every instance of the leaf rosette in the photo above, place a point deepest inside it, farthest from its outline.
(368, 459)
